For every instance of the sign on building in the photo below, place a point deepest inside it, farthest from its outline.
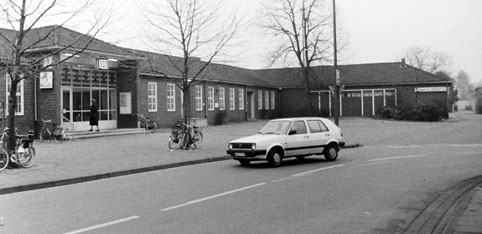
(430, 89)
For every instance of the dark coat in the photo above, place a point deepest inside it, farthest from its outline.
(94, 115)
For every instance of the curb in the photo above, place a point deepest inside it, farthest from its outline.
(41, 185)
(28, 187)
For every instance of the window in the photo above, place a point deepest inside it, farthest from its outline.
(171, 97)
(390, 93)
(241, 98)
(260, 99)
(317, 126)
(299, 127)
(19, 110)
(232, 103)
(210, 98)
(222, 99)
(199, 98)
(151, 96)
(272, 100)
(266, 100)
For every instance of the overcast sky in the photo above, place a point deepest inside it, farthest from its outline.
(376, 30)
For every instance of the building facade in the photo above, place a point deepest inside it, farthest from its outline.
(127, 83)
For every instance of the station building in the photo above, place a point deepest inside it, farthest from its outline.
(127, 83)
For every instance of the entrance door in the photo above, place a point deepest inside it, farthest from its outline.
(76, 107)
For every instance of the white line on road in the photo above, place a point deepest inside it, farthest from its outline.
(404, 146)
(320, 169)
(213, 196)
(466, 145)
(369, 164)
(462, 153)
(103, 225)
(398, 157)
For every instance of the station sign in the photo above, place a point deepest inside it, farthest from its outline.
(430, 89)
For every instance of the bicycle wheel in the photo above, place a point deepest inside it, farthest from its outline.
(4, 159)
(198, 139)
(171, 143)
(185, 142)
(25, 156)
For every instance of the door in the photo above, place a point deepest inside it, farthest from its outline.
(319, 135)
(298, 140)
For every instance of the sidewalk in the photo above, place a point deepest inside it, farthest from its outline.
(96, 158)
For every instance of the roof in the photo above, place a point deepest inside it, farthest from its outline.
(55, 37)
(352, 75)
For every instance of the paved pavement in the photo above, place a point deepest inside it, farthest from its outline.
(61, 163)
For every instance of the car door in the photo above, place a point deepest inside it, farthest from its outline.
(319, 135)
(298, 139)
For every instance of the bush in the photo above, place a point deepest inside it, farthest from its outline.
(427, 112)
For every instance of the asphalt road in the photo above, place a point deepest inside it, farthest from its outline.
(372, 189)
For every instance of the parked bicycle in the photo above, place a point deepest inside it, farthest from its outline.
(50, 131)
(24, 153)
(186, 136)
(148, 124)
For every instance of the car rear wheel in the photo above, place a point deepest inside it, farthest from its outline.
(275, 157)
(331, 152)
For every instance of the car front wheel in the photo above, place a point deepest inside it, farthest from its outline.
(331, 152)
(275, 157)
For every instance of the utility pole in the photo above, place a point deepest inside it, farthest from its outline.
(335, 70)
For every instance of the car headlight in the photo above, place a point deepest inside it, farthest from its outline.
(230, 146)
(253, 146)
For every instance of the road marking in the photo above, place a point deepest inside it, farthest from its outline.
(398, 157)
(213, 196)
(404, 146)
(103, 225)
(316, 170)
(466, 145)
(462, 153)
(369, 164)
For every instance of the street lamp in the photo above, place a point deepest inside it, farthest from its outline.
(335, 70)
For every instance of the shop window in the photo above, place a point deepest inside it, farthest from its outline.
(378, 93)
(272, 100)
(390, 93)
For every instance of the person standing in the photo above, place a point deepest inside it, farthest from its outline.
(94, 115)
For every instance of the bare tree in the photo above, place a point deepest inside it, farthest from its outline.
(426, 59)
(188, 30)
(303, 28)
(19, 44)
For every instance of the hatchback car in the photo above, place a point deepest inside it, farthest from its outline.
(289, 137)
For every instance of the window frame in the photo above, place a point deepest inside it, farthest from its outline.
(210, 98)
(232, 100)
(199, 97)
(171, 97)
(20, 94)
(151, 96)
(222, 98)
(241, 99)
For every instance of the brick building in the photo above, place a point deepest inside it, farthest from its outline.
(127, 83)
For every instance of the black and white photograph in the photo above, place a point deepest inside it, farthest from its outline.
(241, 117)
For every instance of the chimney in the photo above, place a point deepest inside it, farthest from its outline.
(402, 63)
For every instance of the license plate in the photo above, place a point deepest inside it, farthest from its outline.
(239, 154)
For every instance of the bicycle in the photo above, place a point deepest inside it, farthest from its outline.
(147, 124)
(186, 136)
(24, 153)
(50, 131)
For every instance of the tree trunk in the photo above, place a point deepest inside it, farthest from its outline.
(12, 106)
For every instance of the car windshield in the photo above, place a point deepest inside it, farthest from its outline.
(275, 127)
